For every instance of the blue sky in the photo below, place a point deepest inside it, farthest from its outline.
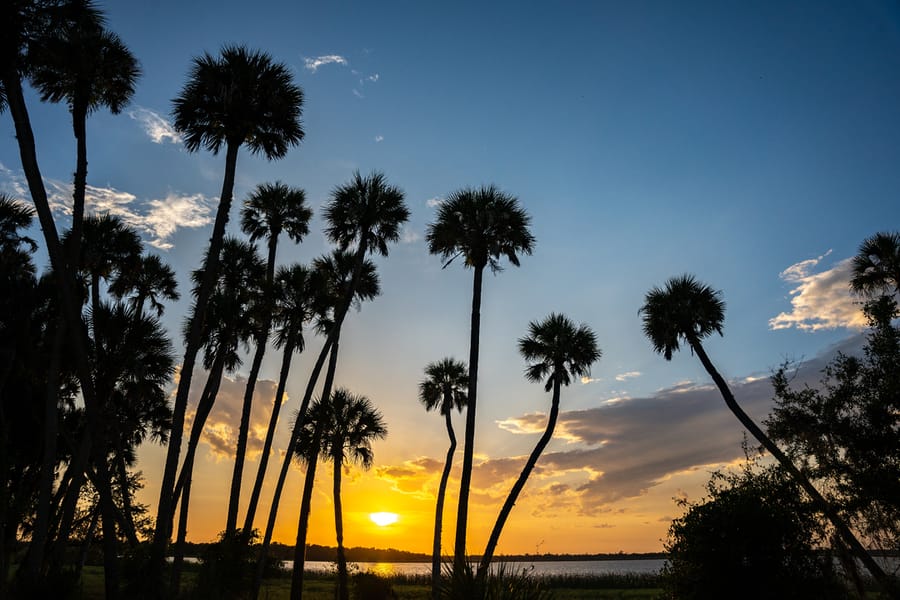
(754, 145)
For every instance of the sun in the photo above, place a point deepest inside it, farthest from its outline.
(383, 519)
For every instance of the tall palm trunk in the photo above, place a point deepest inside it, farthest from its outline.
(343, 583)
(79, 127)
(330, 341)
(309, 481)
(285, 466)
(127, 512)
(465, 480)
(886, 583)
(183, 484)
(70, 307)
(439, 510)
(520, 482)
(166, 506)
(262, 338)
(108, 523)
(270, 435)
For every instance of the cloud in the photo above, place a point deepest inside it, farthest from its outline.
(157, 219)
(628, 375)
(621, 450)
(357, 93)
(586, 380)
(820, 300)
(379, 138)
(221, 429)
(409, 235)
(313, 64)
(435, 202)
(157, 127)
(418, 477)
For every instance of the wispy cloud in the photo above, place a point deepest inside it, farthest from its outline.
(586, 380)
(156, 126)
(358, 93)
(628, 375)
(313, 64)
(409, 235)
(157, 219)
(819, 300)
(434, 202)
(379, 138)
(373, 78)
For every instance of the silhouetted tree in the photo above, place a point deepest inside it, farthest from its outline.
(481, 225)
(240, 98)
(270, 210)
(688, 310)
(876, 266)
(444, 389)
(554, 349)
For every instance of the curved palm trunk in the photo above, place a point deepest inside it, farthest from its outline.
(886, 583)
(262, 338)
(465, 480)
(439, 512)
(520, 483)
(127, 512)
(343, 583)
(270, 435)
(166, 506)
(181, 536)
(309, 481)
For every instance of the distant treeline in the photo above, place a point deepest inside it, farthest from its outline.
(315, 552)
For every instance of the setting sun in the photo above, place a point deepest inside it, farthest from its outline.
(383, 519)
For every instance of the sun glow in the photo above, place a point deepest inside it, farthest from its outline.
(383, 519)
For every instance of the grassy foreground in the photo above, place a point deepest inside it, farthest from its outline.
(320, 586)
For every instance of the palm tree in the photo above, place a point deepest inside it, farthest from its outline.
(367, 212)
(330, 280)
(554, 349)
(146, 279)
(352, 423)
(443, 389)
(88, 67)
(876, 267)
(241, 98)
(292, 308)
(270, 209)
(685, 310)
(228, 327)
(481, 225)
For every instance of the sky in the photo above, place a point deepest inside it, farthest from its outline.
(754, 145)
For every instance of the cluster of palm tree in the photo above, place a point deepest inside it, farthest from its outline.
(85, 363)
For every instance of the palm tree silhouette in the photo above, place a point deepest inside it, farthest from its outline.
(443, 389)
(332, 275)
(270, 210)
(292, 308)
(687, 310)
(241, 98)
(227, 329)
(146, 279)
(554, 349)
(481, 225)
(367, 212)
(352, 424)
(876, 266)
(88, 67)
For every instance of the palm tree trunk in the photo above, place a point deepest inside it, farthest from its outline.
(79, 118)
(308, 483)
(166, 506)
(465, 480)
(285, 466)
(183, 484)
(36, 550)
(127, 512)
(520, 483)
(887, 585)
(88, 540)
(439, 512)
(181, 537)
(108, 522)
(262, 338)
(270, 435)
(343, 583)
